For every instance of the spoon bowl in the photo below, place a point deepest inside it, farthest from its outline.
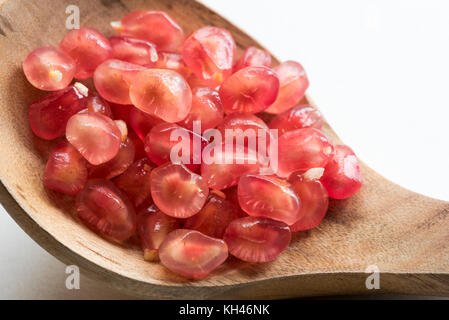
(384, 227)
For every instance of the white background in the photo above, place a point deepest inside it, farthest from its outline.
(379, 71)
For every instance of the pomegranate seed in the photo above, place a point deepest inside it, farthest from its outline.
(154, 26)
(88, 47)
(96, 104)
(121, 111)
(177, 191)
(121, 125)
(257, 239)
(242, 121)
(153, 227)
(138, 145)
(191, 253)
(95, 136)
(49, 69)
(214, 217)
(269, 197)
(314, 198)
(66, 170)
(299, 117)
(134, 50)
(135, 181)
(293, 85)
(251, 90)
(194, 82)
(302, 149)
(113, 78)
(342, 177)
(253, 57)
(116, 165)
(162, 93)
(142, 122)
(206, 108)
(232, 196)
(209, 52)
(48, 116)
(158, 145)
(221, 174)
(172, 61)
(104, 209)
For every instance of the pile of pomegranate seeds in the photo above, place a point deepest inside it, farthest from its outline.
(172, 149)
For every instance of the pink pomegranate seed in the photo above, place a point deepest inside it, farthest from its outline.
(142, 122)
(88, 47)
(49, 69)
(138, 145)
(113, 78)
(95, 136)
(251, 90)
(177, 191)
(194, 82)
(269, 197)
(209, 52)
(135, 181)
(172, 61)
(221, 174)
(49, 115)
(104, 209)
(257, 239)
(153, 227)
(121, 111)
(206, 108)
(158, 145)
(293, 85)
(299, 117)
(161, 93)
(66, 170)
(97, 104)
(342, 177)
(302, 149)
(116, 165)
(134, 50)
(214, 217)
(191, 253)
(314, 198)
(253, 57)
(242, 121)
(154, 26)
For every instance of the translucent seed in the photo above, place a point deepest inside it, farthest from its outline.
(134, 50)
(253, 57)
(303, 116)
(172, 61)
(142, 122)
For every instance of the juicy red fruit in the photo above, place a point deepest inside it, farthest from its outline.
(103, 208)
(269, 197)
(177, 191)
(302, 149)
(161, 93)
(314, 198)
(191, 253)
(88, 47)
(342, 177)
(257, 239)
(153, 227)
(293, 85)
(303, 116)
(154, 26)
(209, 52)
(172, 61)
(142, 122)
(95, 136)
(251, 89)
(214, 217)
(66, 170)
(49, 68)
(96, 104)
(134, 50)
(135, 181)
(48, 116)
(253, 57)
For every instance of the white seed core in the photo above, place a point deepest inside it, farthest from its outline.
(55, 75)
(314, 173)
(82, 88)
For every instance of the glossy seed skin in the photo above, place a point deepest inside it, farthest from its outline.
(192, 254)
(66, 170)
(49, 68)
(257, 239)
(104, 209)
(88, 47)
(303, 116)
(342, 177)
(177, 191)
(253, 57)
(269, 197)
(134, 51)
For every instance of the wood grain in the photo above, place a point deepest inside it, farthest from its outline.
(404, 234)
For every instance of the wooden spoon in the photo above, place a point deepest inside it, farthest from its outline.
(403, 233)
